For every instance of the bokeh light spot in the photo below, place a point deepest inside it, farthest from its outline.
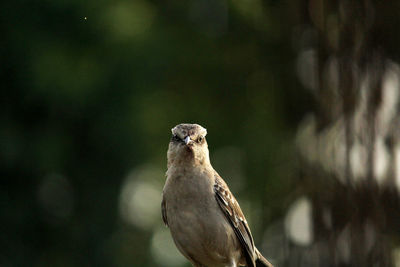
(127, 20)
(140, 197)
(298, 224)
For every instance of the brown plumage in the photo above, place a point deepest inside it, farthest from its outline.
(205, 219)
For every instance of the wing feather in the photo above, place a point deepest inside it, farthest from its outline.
(164, 211)
(234, 214)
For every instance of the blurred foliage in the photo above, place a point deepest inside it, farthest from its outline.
(90, 92)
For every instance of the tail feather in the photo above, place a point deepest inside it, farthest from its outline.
(261, 261)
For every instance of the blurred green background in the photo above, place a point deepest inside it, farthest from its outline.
(90, 92)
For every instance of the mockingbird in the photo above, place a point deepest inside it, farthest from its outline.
(206, 222)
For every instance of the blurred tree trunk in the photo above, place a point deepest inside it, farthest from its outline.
(350, 146)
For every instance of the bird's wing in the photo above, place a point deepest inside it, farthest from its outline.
(164, 211)
(234, 214)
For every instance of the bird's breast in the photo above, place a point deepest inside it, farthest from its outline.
(195, 218)
(188, 189)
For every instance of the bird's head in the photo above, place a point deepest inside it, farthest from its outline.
(188, 145)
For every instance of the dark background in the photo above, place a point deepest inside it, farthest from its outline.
(90, 91)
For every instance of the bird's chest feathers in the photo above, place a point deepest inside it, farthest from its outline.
(193, 189)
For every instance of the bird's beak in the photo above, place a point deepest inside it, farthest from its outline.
(187, 140)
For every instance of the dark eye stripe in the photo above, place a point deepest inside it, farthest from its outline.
(175, 138)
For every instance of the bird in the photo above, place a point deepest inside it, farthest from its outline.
(205, 220)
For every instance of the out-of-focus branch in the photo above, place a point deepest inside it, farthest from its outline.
(350, 145)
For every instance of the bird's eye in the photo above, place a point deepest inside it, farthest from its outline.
(174, 138)
(200, 139)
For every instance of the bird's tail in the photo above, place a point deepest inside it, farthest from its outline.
(261, 261)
